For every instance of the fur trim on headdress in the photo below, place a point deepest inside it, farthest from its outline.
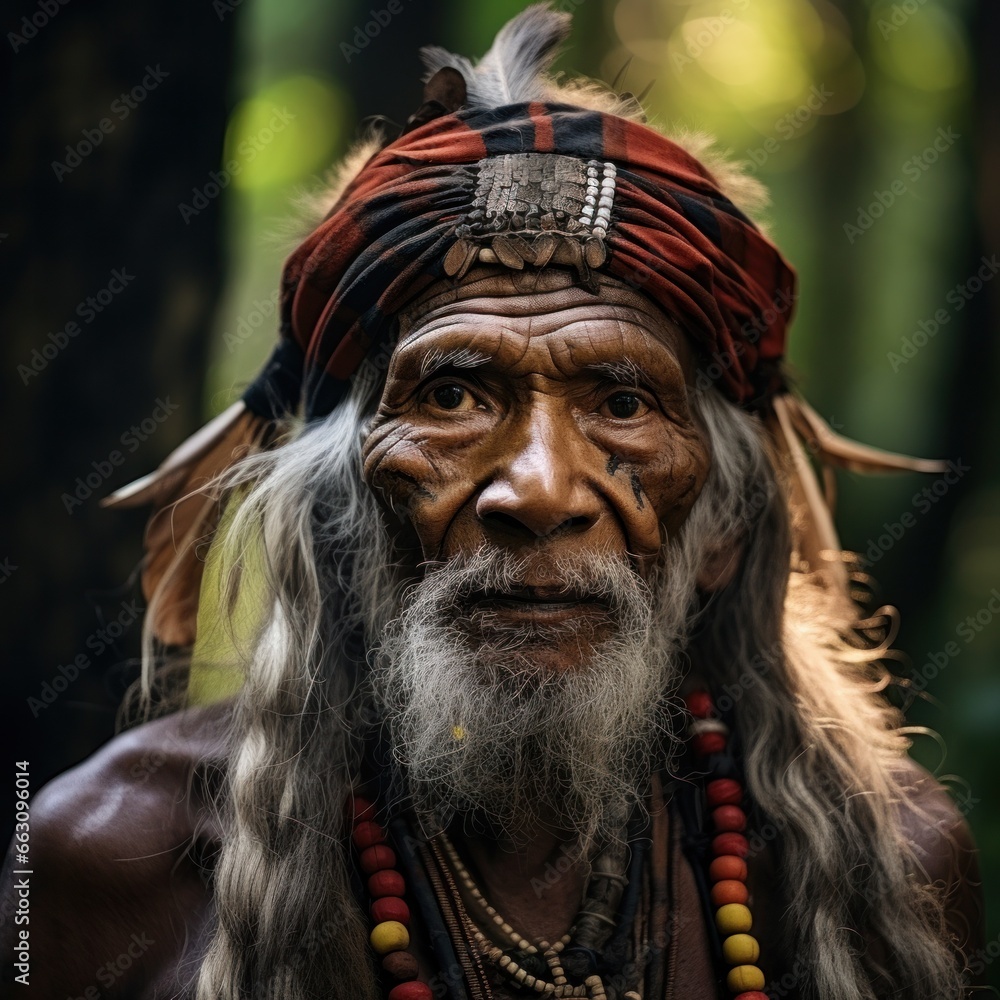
(515, 71)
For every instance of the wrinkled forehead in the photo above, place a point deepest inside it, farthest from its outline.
(538, 303)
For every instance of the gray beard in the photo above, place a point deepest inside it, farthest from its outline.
(482, 726)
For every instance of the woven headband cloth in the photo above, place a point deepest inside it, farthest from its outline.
(525, 185)
(531, 185)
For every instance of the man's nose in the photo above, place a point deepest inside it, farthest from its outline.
(542, 486)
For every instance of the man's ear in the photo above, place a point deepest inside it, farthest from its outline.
(719, 565)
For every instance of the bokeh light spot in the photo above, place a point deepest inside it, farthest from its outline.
(284, 132)
(923, 49)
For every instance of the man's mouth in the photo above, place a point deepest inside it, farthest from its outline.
(534, 604)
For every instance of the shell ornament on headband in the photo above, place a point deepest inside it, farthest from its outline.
(501, 165)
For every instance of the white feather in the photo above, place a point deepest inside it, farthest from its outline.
(513, 71)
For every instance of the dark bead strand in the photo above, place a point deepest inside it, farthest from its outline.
(390, 936)
(728, 871)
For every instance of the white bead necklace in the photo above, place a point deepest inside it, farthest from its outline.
(557, 986)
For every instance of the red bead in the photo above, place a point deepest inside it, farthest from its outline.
(400, 965)
(366, 834)
(729, 891)
(751, 995)
(390, 908)
(729, 819)
(699, 704)
(724, 792)
(386, 883)
(730, 843)
(374, 859)
(727, 866)
(411, 991)
(706, 743)
(361, 809)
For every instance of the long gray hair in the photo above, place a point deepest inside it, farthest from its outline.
(820, 755)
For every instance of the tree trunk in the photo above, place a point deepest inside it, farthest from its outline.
(115, 114)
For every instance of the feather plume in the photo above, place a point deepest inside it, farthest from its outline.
(514, 69)
(835, 449)
(186, 505)
(796, 431)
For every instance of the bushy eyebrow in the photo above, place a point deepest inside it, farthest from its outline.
(456, 357)
(625, 371)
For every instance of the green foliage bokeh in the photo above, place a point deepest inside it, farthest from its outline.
(836, 107)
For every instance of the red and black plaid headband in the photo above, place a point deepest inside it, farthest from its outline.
(652, 217)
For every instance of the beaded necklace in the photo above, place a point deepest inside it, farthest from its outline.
(727, 873)
(729, 848)
(558, 985)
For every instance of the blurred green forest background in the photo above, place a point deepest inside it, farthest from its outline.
(873, 122)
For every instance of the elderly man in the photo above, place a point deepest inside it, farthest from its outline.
(549, 683)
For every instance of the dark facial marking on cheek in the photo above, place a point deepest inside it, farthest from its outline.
(613, 462)
(633, 478)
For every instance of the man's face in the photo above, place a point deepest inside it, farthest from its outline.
(526, 415)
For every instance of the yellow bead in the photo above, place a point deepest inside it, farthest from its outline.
(390, 935)
(740, 949)
(458, 732)
(745, 977)
(733, 918)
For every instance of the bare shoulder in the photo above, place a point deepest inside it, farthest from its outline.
(141, 784)
(934, 824)
(117, 857)
(937, 829)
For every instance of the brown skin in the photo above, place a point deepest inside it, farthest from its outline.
(120, 848)
(547, 423)
(544, 448)
(508, 419)
(523, 413)
(112, 855)
(538, 445)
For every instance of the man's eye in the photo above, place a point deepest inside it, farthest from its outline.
(451, 397)
(623, 405)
